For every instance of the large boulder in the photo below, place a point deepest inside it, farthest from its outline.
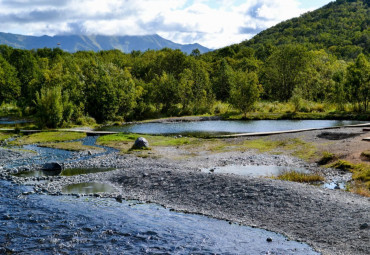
(141, 143)
(52, 168)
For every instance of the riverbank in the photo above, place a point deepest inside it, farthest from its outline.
(332, 221)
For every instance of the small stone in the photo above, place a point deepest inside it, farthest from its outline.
(269, 239)
(364, 226)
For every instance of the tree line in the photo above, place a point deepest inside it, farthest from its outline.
(61, 88)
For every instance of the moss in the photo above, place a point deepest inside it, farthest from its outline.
(48, 137)
(70, 146)
(295, 176)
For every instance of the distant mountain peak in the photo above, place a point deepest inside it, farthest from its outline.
(73, 43)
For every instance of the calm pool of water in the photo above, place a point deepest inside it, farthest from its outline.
(38, 224)
(252, 170)
(226, 127)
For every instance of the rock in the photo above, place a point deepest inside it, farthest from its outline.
(141, 143)
(269, 239)
(364, 226)
(52, 168)
(89, 153)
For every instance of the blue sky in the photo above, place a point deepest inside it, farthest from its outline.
(212, 23)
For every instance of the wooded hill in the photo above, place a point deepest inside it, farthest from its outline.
(280, 64)
(341, 28)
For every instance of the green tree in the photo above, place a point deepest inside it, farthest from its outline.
(246, 91)
(283, 71)
(223, 81)
(9, 84)
(49, 107)
(358, 82)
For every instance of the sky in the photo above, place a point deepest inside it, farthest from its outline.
(213, 24)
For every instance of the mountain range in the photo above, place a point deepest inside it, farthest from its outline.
(73, 43)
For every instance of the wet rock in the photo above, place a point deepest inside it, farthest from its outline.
(141, 143)
(269, 239)
(364, 226)
(52, 168)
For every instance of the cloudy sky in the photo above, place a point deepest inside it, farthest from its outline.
(214, 24)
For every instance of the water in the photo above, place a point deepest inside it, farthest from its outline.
(41, 224)
(6, 121)
(88, 188)
(38, 224)
(44, 154)
(254, 171)
(226, 127)
(65, 172)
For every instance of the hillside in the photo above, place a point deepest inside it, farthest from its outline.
(341, 27)
(73, 43)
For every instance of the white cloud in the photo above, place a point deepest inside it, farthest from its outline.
(211, 23)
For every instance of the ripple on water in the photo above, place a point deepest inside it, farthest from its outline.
(44, 224)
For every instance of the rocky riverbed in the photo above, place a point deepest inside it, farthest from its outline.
(331, 221)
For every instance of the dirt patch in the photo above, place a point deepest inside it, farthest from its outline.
(337, 135)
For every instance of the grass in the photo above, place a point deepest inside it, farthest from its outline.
(295, 176)
(70, 146)
(360, 175)
(48, 137)
(295, 147)
(326, 158)
(124, 142)
(4, 136)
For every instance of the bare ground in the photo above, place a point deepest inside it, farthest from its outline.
(332, 221)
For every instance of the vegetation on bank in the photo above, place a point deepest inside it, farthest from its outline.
(299, 68)
(360, 175)
(47, 137)
(295, 176)
(71, 146)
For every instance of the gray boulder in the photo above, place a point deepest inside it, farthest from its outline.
(141, 143)
(52, 168)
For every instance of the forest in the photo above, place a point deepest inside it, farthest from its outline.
(319, 58)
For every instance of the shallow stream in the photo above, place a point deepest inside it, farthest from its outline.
(226, 127)
(43, 224)
(37, 224)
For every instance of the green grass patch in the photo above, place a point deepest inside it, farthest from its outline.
(295, 176)
(48, 137)
(71, 146)
(124, 142)
(295, 147)
(4, 136)
(360, 174)
(343, 165)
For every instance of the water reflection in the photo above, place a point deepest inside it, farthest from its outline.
(226, 127)
(88, 188)
(65, 225)
(253, 170)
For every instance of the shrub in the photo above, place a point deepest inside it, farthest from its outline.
(295, 176)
